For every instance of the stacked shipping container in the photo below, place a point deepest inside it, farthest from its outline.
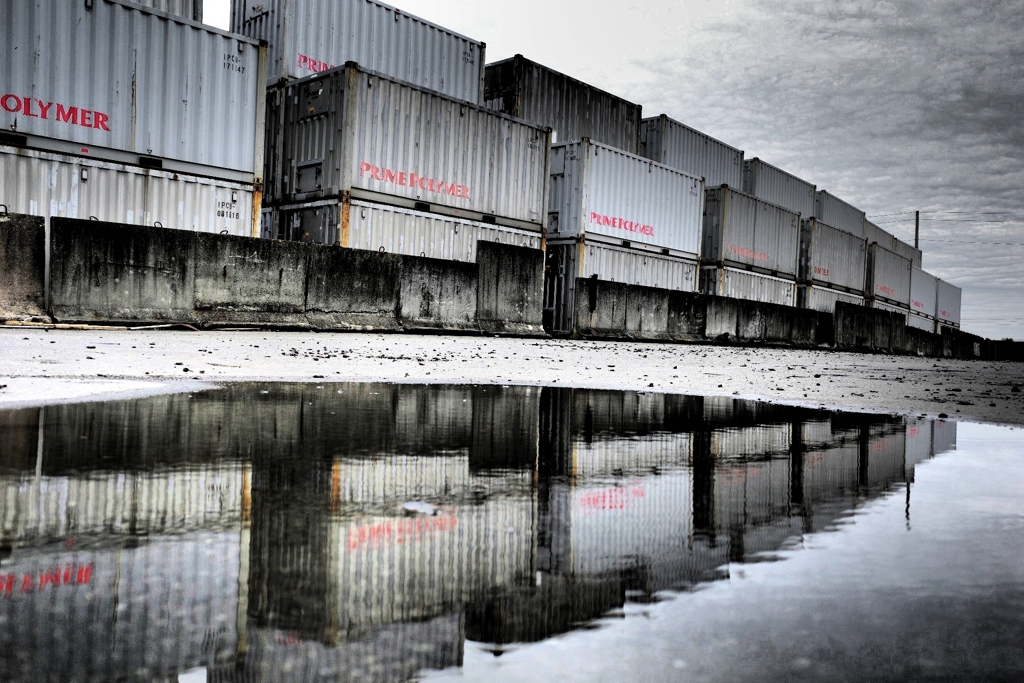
(832, 266)
(185, 149)
(617, 216)
(923, 293)
(771, 184)
(948, 301)
(685, 149)
(359, 159)
(572, 109)
(311, 36)
(833, 211)
(888, 280)
(188, 9)
(750, 248)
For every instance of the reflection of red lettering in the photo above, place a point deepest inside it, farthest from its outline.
(64, 575)
(398, 531)
(26, 584)
(615, 498)
(7, 584)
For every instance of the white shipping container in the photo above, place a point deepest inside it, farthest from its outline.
(48, 185)
(947, 309)
(921, 322)
(310, 36)
(923, 292)
(353, 132)
(742, 231)
(824, 299)
(416, 233)
(831, 257)
(873, 233)
(745, 284)
(573, 109)
(907, 251)
(676, 145)
(771, 184)
(600, 190)
(187, 9)
(888, 276)
(115, 81)
(833, 211)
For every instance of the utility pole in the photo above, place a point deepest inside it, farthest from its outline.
(917, 230)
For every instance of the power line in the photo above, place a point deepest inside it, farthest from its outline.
(932, 239)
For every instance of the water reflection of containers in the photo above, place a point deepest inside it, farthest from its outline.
(309, 36)
(887, 448)
(815, 433)
(391, 568)
(604, 457)
(830, 473)
(164, 501)
(679, 146)
(943, 436)
(530, 91)
(132, 600)
(749, 492)
(920, 446)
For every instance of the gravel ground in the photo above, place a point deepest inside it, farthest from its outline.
(40, 366)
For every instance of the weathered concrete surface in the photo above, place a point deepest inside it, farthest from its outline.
(600, 308)
(647, 313)
(37, 371)
(510, 289)
(858, 328)
(22, 267)
(352, 289)
(435, 294)
(244, 280)
(120, 273)
(687, 316)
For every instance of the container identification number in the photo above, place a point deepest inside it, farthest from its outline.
(233, 63)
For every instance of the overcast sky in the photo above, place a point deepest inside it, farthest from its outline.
(892, 106)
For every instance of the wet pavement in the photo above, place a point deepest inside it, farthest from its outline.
(378, 532)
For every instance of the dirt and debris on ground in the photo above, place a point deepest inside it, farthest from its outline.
(43, 366)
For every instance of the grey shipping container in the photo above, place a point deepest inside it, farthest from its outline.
(310, 36)
(602, 192)
(892, 308)
(573, 109)
(948, 300)
(817, 298)
(888, 277)
(354, 134)
(835, 212)
(923, 292)
(907, 251)
(112, 80)
(745, 284)
(921, 322)
(47, 184)
(674, 144)
(188, 9)
(772, 184)
(745, 232)
(873, 233)
(831, 257)
(570, 260)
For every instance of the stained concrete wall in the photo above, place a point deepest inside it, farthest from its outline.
(120, 273)
(437, 295)
(239, 280)
(353, 289)
(510, 289)
(22, 266)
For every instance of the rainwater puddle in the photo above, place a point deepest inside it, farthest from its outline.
(374, 532)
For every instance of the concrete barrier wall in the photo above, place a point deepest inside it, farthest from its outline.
(111, 272)
(107, 272)
(510, 289)
(22, 266)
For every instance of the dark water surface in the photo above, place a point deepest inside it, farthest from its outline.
(256, 533)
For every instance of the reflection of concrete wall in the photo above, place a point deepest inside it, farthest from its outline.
(119, 613)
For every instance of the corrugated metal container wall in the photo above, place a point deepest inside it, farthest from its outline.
(947, 309)
(619, 457)
(920, 322)
(600, 190)
(573, 109)
(310, 36)
(188, 9)
(744, 284)
(750, 233)
(923, 288)
(873, 233)
(943, 436)
(773, 185)
(833, 211)
(123, 81)
(48, 185)
(824, 299)
(919, 445)
(353, 130)
(415, 233)
(621, 264)
(831, 257)
(907, 251)
(676, 145)
(888, 276)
